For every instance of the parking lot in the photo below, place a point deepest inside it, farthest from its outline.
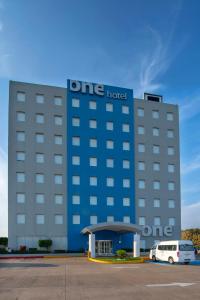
(77, 278)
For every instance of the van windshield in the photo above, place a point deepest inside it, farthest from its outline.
(186, 247)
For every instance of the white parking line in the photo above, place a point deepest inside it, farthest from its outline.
(180, 284)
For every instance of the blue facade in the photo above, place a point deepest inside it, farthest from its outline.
(76, 240)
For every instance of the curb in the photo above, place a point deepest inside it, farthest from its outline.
(139, 261)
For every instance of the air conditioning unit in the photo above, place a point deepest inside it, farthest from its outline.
(152, 97)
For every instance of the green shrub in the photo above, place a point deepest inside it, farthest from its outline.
(45, 244)
(4, 241)
(121, 253)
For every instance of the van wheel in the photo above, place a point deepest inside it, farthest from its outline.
(154, 258)
(170, 260)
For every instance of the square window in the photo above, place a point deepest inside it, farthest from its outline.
(126, 146)
(39, 137)
(21, 219)
(156, 166)
(92, 105)
(156, 203)
(58, 199)
(110, 219)
(39, 158)
(171, 203)
(76, 160)
(93, 220)
(58, 139)
(76, 199)
(58, 120)
(126, 201)
(39, 99)
(140, 112)
(141, 165)
(171, 168)
(76, 141)
(58, 179)
(126, 183)
(109, 144)
(58, 159)
(93, 161)
(39, 178)
(155, 114)
(170, 133)
(141, 148)
(171, 221)
(20, 156)
(75, 102)
(142, 221)
(109, 163)
(21, 116)
(93, 143)
(58, 219)
(93, 181)
(110, 181)
(21, 97)
(156, 185)
(58, 101)
(170, 116)
(76, 219)
(125, 109)
(141, 202)
(109, 107)
(140, 130)
(40, 219)
(20, 136)
(76, 122)
(93, 200)
(156, 221)
(141, 184)
(126, 219)
(93, 124)
(156, 149)
(171, 186)
(170, 151)
(155, 131)
(125, 127)
(110, 201)
(76, 180)
(39, 118)
(126, 164)
(39, 198)
(20, 198)
(109, 126)
(21, 177)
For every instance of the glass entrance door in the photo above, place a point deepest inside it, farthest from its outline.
(104, 248)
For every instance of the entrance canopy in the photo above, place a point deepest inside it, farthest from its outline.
(119, 227)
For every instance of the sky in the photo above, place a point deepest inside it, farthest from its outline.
(149, 46)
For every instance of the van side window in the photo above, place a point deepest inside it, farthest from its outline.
(167, 247)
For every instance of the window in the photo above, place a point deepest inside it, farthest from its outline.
(171, 221)
(126, 146)
(76, 219)
(109, 144)
(142, 244)
(76, 122)
(76, 141)
(39, 138)
(110, 181)
(170, 150)
(170, 116)
(93, 161)
(58, 101)
(93, 220)
(170, 133)
(20, 198)
(39, 118)
(126, 164)
(39, 178)
(109, 107)
(110, 201)
(20, 156)
(171, 168)
(156, 203)
(39, 198)
(93, 124)
(58, 219)
(21, 97)
(93, 181)
(109, 126)
(126, 183)
(20, 177)
(75, 102)
(140, 112)
(126, 219)
(142, 221)
(141, 165)
(76, 180)
(156, 185)
(109, 163)
(110, 219)
(125, 109)
(155, 131)
(171, 186)
(141, 148)
(21, 116)
(58, 199)
(20, 136)
(156, 166)
(140, 130)
(92, 105)
(39, 158)
(126, 201)
(21, 219)
(156, 149)
(93, 143)
(76, 199)
(93, 200)
(58, 159)
(141, 202)
(155, 114)
(58, 120)
(58, 179)
(141, 184)
(171, 203)
(39, 99)
(156, 221)
(125, 127)
(58, 139)
(40, 219)
(76, 160)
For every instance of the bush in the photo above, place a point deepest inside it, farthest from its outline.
(4, 241)
(59, 251)
(45, 244)
(22, 248)
(121, 253)
(32, 250)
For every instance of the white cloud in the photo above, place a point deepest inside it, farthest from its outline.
(190, 216)
(1, 26)
(3, 193)
(193, 165)
(191, 107)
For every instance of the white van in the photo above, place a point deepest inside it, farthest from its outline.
(173, 251)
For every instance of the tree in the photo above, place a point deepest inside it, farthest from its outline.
(4, 241)
(45, 244)
(193, 235)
